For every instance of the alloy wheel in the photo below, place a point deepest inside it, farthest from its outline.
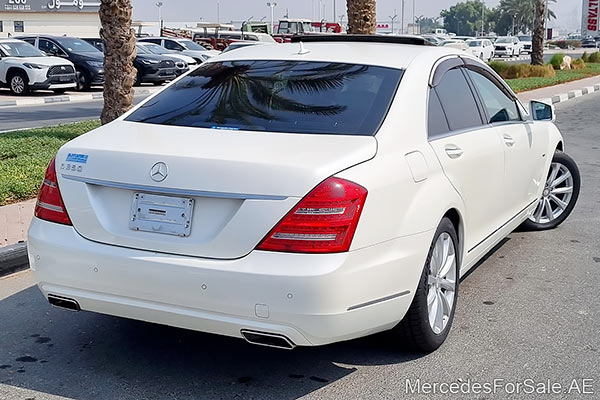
(556, 196)
(441, 283)
(17, 84)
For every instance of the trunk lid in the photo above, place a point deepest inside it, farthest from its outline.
(241, 184)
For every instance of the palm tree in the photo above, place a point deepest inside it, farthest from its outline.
(537, 50)
(362, 16)
(119, 52)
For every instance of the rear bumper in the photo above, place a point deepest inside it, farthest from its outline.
(311, 299)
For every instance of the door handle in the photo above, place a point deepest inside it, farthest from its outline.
(453, 151)
(508, 140)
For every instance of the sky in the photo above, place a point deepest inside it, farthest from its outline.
(568, 11)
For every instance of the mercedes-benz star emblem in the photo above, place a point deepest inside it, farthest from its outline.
(159, 172)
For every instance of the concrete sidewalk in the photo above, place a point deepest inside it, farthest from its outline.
(14, 222)
(562, 92)
(47, 97)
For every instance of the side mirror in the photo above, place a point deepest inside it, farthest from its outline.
(542, 111)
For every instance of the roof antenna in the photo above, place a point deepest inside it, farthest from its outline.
(302, 49)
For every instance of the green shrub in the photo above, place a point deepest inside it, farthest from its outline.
(578, 64)
(556, 60)
(514, 71)
(500, 67)
(595, 57)
(585, 57)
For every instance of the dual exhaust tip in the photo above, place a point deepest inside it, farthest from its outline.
(268, 339)
(260, 338)
(64, 302)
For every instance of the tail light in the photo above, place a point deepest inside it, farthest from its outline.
(50, 206)
(323, 222)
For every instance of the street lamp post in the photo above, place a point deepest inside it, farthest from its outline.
(393, 18)
(272, 6)
(159, 5)
(402, 17)
(218, 13)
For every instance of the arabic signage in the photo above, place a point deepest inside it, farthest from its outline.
(590, 25)
(49, 5)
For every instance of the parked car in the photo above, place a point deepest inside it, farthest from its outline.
(157, 49)
(155, 68)
(590, 42)
(96, 42)
(527, 43)
(463, 38)
(482, 48)
(241, 44)
(184, 46)
(24, 68)
(435, 40)
(456, 44)
(251, 199)
(88, 60)
(507, 46)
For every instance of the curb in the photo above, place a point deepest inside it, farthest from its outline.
(13, 258)
(561, 98)
(68, 98)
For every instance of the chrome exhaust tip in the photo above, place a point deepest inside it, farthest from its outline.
(63, 302)
(268, 339)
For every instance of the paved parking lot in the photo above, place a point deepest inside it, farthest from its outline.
(529, 311)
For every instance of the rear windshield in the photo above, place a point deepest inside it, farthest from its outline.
(277, 96)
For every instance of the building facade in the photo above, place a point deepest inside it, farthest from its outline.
(52, 17)
(590, 25)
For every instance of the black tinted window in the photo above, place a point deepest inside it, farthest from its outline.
(438, 125)
(171, 45)
(458, 101)
(277, 96)
(499, 106)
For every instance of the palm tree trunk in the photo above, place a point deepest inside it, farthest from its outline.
(362, 17)
(537, 51)
(119, 53)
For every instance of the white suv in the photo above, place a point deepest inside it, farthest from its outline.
(24, 68)
(509, 46)
(301, 194)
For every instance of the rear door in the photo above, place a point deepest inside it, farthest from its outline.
(471, 155)
(524, 151)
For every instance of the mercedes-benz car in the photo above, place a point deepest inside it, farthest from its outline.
(301, 194)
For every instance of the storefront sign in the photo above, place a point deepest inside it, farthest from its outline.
(49, 5)
(590, 25)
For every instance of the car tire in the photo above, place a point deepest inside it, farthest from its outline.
(559, 196)
(18, 83)
(158, 83)
(417, 329)
(83, 81)
(59, 91)
(138, 79)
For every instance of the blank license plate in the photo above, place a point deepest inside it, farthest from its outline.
(161, 214)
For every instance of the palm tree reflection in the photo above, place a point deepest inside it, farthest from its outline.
(239, 91)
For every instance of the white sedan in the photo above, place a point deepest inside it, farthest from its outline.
(482, 48)
(301, 194)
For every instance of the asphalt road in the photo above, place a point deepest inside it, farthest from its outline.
(529, 311)
(12, 118)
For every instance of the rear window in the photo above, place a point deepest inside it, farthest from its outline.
(277, 96)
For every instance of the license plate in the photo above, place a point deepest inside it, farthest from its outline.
(167, 215)
(65, 79)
